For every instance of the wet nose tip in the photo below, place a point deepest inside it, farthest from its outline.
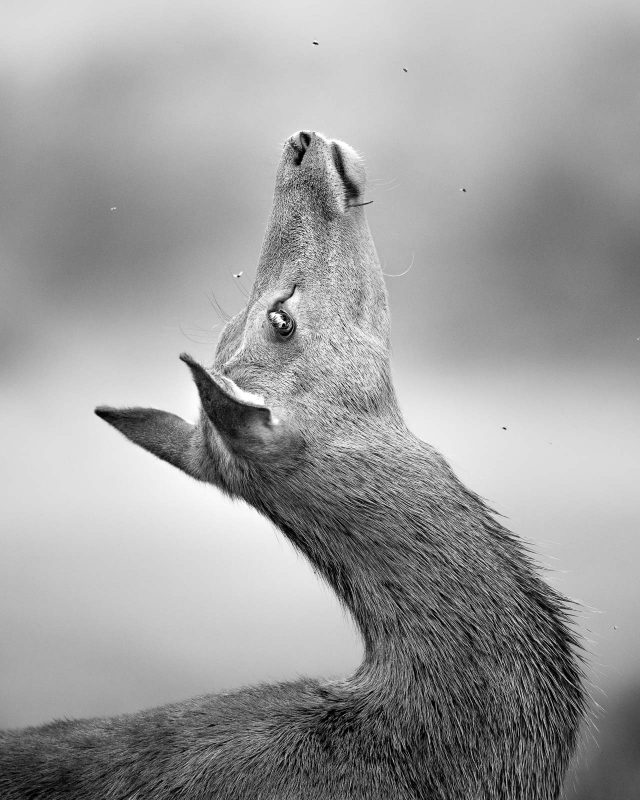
(300, 142)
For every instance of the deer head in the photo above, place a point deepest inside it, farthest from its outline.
(308, 357)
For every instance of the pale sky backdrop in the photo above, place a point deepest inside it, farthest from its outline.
(138, 144)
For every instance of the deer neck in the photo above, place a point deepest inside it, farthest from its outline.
(391, 549)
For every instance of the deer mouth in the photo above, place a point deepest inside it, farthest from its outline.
(351, 188)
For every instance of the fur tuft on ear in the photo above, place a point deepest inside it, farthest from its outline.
(234, 418)
(166, 435)
(248, 428)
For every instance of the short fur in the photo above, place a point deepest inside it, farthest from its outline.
(471, 684)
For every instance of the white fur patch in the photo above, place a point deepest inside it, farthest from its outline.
(240, 394)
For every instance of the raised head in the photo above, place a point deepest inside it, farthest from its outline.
(309, 354)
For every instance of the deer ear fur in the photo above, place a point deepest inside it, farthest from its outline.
(247, 428)
(165, 435)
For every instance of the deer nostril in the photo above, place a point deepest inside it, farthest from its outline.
(300, 142)
(351, 189)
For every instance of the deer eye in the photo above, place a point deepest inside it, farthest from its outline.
(283, 324)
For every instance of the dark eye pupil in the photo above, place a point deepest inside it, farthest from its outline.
(282, 322)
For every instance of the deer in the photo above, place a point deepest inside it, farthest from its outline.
(472, 679)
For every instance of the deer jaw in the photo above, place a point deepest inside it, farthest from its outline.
(269, 397)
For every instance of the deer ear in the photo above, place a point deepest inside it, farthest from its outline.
(248, 428)
(166, 435)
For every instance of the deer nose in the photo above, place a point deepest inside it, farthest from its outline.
(300, 142)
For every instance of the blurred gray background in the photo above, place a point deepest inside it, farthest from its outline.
(138, 147)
